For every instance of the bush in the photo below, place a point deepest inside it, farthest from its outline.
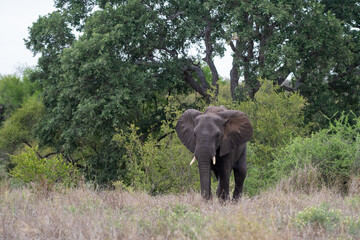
(329, 219)
(42, 174)
(334, 152)
(157, 166)
(318, 217)
(183, 218)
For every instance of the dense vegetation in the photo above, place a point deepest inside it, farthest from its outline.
(103, 102)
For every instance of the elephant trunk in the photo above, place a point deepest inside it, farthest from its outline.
(205, 158)
(205, 151)
(205, 179)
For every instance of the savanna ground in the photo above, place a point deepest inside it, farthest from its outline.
(83, 213)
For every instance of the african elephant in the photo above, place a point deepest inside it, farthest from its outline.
(218, 139)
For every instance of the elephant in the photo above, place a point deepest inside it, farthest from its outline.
(218, 139)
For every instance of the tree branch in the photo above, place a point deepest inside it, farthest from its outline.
(37, 153)
(49, 154)
(201, 75)
(191, 81)
(29, 145)
(208, 57)
(172, 17)
(164, 136)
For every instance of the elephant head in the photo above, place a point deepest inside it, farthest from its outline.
(211, 135)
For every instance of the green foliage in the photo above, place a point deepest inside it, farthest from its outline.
(320, 47)
(103, 166)
(14, 90)
(353, 225)
(20, 109)
(157, 166)
(276, 116)
(49, 34)
(18, 128)
(181, 217)
(353, 202)
(42, 174)
(329, 219)
(333, 151)
(318, 216)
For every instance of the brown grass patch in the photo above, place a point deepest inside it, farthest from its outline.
(83, 213)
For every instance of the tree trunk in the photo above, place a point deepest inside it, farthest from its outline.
(234, 77)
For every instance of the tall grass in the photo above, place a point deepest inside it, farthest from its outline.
(83, 213)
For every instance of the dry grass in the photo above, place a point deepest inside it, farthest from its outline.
(87, 214)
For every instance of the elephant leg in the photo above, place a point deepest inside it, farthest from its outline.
(218, 189)
(223, 185)
(240, 175)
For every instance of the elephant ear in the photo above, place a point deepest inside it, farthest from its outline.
(185, 128)
(238, 130)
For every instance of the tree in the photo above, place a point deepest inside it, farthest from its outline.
(104, 82)
(18, 129)
(14, 90)
(316, 41)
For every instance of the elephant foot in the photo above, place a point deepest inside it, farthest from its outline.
(223, 198)
(236, 197)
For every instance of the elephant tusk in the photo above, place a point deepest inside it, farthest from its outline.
(193, 160)
(214, 160)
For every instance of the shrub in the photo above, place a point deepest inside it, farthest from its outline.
(42, 174)
(181, 218)
(329, 219)
(157, 166)
(352, 225)
(318, 216)
(335, 152)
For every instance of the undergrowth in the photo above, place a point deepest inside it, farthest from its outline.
(84, 213)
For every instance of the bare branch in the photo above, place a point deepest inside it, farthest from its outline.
(208, 58)
(172, 17)
(172, 52)
(164, 136)
(201, 75)
(49, 154)
(29, 145)
(191, 81)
